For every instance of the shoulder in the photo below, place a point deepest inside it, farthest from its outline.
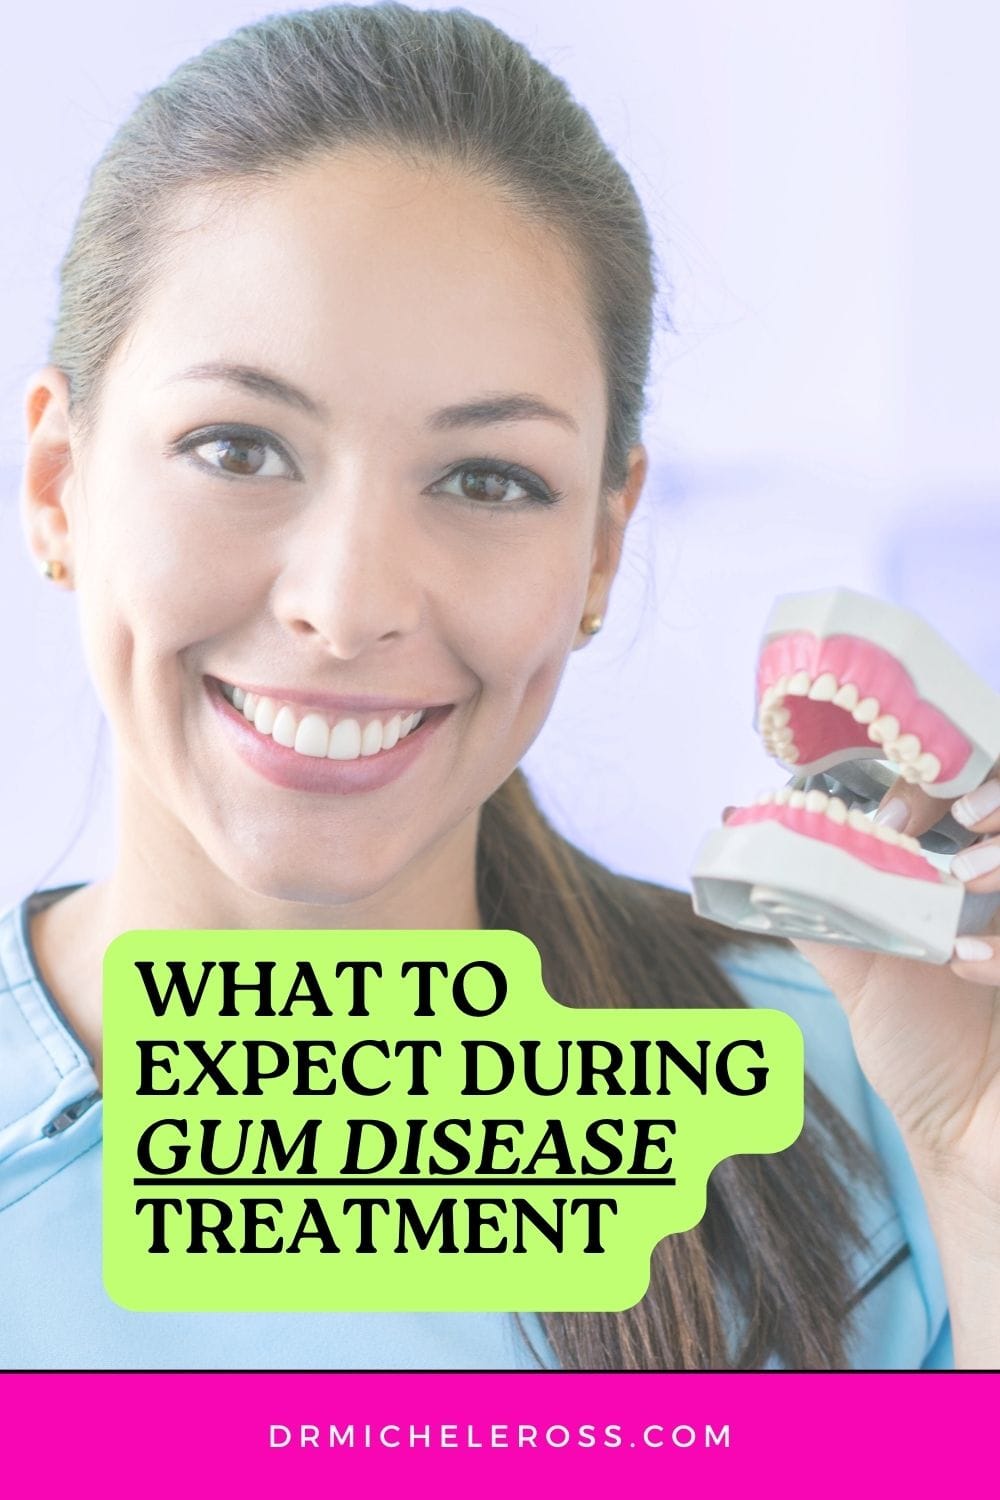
(44, 1071)
(900, 1286)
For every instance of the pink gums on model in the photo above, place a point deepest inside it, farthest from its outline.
(890, 858)
(819, 729)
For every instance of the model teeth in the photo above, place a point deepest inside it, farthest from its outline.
(837, 811)
(906, 748)
(901, 747)
(824, 688)
(885, 730)
(313, 734)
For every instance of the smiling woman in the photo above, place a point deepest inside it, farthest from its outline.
(337, 445)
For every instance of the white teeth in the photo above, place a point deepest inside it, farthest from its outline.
(345, 740)
(390, 731)
(837, 811)
(884, 730)
(906, 748)
(267, 712)
(824, 688)
(312, 736)
(371, 739)
(283, 732)
(866, 711)
(928, 767)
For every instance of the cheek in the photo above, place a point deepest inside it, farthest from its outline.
(154, 579)
(520, 634)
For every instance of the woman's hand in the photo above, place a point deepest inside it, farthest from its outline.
(928, 1039)
(927, 1035)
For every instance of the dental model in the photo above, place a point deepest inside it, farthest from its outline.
(851, 693)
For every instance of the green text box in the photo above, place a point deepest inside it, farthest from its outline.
(406, 1120)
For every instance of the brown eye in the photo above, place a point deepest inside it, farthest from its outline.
(491, 483)
(243, 457)
(484, 484)
(237, 453)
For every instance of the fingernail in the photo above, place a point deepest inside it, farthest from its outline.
(895, 814)
(977, 804)
(972, 950)
(979, 860)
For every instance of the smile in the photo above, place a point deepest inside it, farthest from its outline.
(321, 736)
(315, 744)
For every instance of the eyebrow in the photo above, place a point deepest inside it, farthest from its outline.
(482, 411)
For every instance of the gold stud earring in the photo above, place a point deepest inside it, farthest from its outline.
(591, 624)
(54, 569)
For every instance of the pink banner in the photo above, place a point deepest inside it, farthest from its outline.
(201, 1435)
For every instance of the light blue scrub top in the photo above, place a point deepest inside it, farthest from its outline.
(55, 1314)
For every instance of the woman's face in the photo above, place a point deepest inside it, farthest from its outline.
(333, 532)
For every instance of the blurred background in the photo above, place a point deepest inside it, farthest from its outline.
(818, 180)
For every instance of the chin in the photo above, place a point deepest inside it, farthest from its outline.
(309, 887)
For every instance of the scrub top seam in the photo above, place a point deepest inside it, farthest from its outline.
(31, 984)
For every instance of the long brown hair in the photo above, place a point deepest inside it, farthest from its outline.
(448, 87)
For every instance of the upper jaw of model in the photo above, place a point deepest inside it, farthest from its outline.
(841, 676)
(842, 679)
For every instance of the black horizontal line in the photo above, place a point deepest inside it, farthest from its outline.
(307, 1182)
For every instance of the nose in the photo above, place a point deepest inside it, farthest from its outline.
(353, 571)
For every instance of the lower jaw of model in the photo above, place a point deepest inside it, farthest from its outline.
(852, 692)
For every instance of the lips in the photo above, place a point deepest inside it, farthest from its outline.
(286, 767)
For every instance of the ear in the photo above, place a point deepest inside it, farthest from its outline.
(611, 536)
(47, 484)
